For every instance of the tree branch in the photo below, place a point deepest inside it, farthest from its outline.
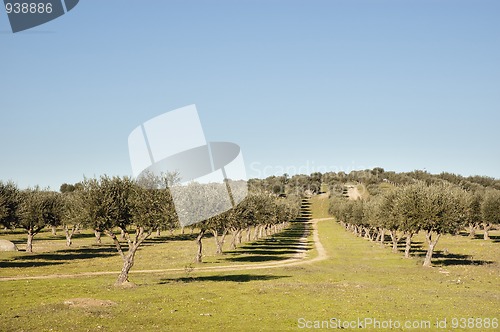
(115, 240)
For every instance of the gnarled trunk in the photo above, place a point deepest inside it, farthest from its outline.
(486, 228)
(408, 244)
(382, 236)
(218, 250)
(395, 240)
(97, 234)
(367, 233)
(234, 240)
(256, 232)
(432, 244)
(240, 235)
(249, 234)
(69, 234)
(128, 262)
(128, 259)
(199, 254)
(29, 243)
(472, 231)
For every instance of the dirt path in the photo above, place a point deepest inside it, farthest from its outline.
(299, 259)
(353, 192)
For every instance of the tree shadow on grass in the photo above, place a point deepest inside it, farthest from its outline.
(60, 256)
(227, 278)
(170, 238)
(19, 264)
(441, 258)
(260, 251)
(480, 236)
(255, 258)
(273, 248)
(446, 259)
(278, 247)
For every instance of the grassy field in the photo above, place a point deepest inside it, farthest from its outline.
(359, 280)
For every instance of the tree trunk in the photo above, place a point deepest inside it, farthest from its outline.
(430, 251)
(218, 243)
(29, 244)
(199, 254)
(54, 230)
(128, 262)
(122, 234)
(249, 234)
(472, 231)
(240, 234)
(234, 240)
(256, 232)
(486, 228)
(69, 234)
(408, 244)
(382, 236)
(128, 259)
(97, 234)
(158, 232)
(182, 230)
(367, 233)
(395, 240)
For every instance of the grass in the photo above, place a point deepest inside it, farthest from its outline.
(360, 279)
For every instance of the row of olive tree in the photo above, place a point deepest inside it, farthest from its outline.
(136, 208)
(436, 209)
(261, 212)
(31, 209)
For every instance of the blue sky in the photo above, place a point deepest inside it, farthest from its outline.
(299, 85)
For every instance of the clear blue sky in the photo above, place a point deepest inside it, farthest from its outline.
(322, 85)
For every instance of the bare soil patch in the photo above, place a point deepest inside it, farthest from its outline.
(88, 303)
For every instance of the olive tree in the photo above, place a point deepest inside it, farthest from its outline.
(490, 211)
(37, 210)
(408, 206)
(474, 214)
(121, 202)
(72, 216)
(391, 218)
(442, 211)
(371, 218)
(9, 203)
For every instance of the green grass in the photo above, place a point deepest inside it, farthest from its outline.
(360, 279)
